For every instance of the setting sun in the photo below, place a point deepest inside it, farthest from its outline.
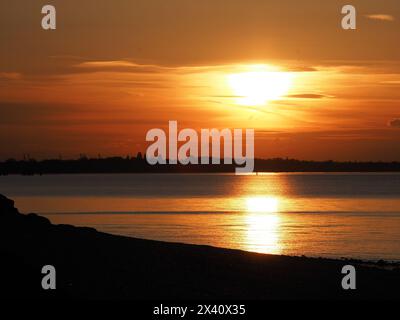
(255, 88)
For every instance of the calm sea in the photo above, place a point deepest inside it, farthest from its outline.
(353, 215)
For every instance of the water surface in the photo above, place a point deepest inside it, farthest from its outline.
(353, 215)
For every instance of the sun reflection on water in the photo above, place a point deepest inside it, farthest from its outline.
(263, 222)
(262, 204)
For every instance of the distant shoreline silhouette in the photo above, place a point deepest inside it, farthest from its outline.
(139, 164)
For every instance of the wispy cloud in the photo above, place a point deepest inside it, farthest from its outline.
(10, 75)
(118, 66)
(380, 17)
(395, 123)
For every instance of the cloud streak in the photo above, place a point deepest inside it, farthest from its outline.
(308, 96)
(380, 17)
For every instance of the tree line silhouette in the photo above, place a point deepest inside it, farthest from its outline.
(139, 164)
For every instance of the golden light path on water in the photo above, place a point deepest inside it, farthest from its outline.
(263, 221)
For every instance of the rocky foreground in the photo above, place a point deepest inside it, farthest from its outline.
(95, 265)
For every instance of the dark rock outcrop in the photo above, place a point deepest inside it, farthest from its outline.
(7, 206)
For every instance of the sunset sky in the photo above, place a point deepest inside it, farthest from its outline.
(115, 69)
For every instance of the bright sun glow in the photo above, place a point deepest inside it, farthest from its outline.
(262, 204)
(255, 88)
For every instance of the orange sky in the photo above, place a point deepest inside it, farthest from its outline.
(112, 71)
